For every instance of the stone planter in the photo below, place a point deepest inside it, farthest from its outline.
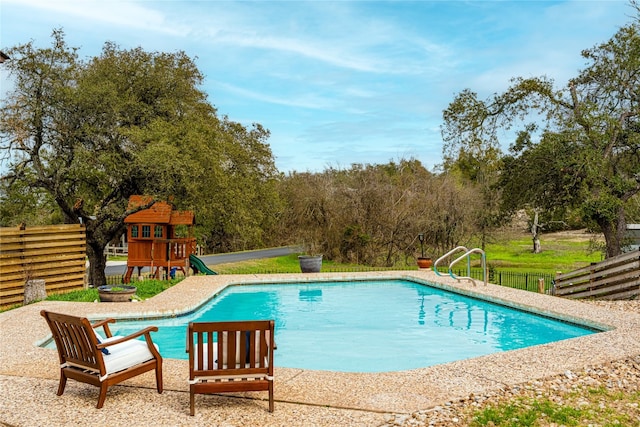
(121, 293)
(310, 263)
(424, 262)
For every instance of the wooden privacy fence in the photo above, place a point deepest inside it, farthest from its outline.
(55, 254)
(615, 278)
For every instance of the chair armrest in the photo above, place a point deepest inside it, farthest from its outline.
(105, 326)
(147, 336)
(134, 335)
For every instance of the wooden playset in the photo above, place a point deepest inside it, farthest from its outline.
(159, 238)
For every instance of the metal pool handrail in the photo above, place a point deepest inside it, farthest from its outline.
(452, 251)
(468, 276)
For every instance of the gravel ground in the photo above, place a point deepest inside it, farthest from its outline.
(619, 375)
(441, 395)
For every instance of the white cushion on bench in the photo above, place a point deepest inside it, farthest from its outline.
(126, 354)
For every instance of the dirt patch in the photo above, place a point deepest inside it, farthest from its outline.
(582, 235)
(574, 236)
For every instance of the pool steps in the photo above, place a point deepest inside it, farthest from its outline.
(467, 255)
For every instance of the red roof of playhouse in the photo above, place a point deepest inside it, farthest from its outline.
(182, 217)
(159, 213)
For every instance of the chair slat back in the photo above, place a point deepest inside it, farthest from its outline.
(230, 348)
(75, 340)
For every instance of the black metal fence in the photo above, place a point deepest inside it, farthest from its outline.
(527, 281)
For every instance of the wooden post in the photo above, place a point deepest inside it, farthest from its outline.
(187, 267)
(541, 285)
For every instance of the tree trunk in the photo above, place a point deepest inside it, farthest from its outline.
(535, 233)
(537, 247)
(483, 241)
(614, 233)
(97, 264)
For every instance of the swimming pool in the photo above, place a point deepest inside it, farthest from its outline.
(367, 326)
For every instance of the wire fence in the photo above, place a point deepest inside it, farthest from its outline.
(528, 281)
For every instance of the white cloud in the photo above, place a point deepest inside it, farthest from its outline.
(123, 14)
(329, 33)
(306, 101)
(349, 80)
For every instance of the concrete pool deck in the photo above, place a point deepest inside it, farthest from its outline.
(29, 374)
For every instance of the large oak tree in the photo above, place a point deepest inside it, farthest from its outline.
(88, 134)
(578, 147)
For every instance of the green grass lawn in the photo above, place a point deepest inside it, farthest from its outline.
(585, 406)
(558, 254)
(283, 264)
(289, 264)
(144, 289)
(507, 253)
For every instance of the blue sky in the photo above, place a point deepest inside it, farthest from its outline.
(336, 82)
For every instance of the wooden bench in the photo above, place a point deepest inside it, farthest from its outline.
(230, 357)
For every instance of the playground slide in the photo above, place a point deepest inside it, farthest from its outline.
(199, 266)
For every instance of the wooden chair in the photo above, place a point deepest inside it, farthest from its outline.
(101, 360)
(230, 357)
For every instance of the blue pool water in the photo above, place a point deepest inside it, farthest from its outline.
(371, 326)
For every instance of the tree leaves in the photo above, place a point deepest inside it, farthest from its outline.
(91, 133)
(575, 147)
